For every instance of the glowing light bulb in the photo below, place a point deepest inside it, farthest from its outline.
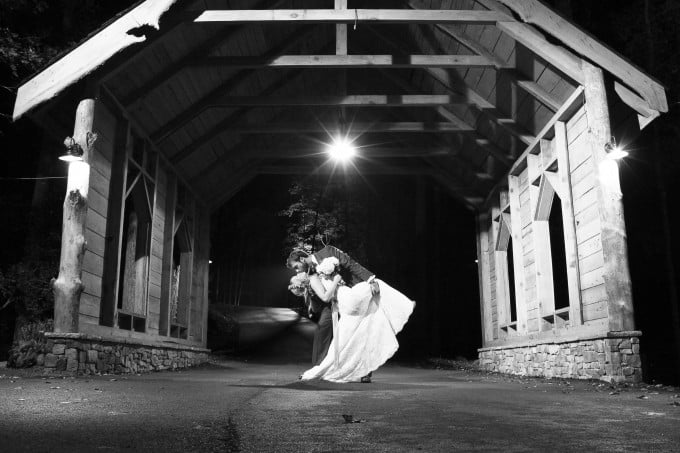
(617, 153)
(342, 150)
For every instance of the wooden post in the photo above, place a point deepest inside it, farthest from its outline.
(68, 286)
(564, 170)
(484, 277)
(613, 230)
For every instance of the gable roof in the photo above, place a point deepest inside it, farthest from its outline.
(453, 89)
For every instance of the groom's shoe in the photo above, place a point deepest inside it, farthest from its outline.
(366, 379)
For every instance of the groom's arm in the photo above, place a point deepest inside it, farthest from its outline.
(348, 263)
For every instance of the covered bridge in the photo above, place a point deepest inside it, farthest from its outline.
(511, 108)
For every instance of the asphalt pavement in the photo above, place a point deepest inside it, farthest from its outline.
(260, 406)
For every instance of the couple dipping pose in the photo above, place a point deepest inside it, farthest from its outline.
(359, 315)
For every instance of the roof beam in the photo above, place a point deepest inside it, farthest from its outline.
(353, 128)
(217, 129)
(356, 100)
(367, 152)
(232, 82)
(537, 91)
(451, 117)
(347, 61)
(534, 12)
(201, 48)
(351, 16)
(329, 169)
(473, 98)
(530, 87)
(92, 53)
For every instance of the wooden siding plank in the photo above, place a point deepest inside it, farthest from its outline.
(585, 201)
(95, 242)
(587, 231)
(96, 223)
(591, 263)
(89, 305)
(92, 284)
(590, 246)
(595, 311)
(592, 278)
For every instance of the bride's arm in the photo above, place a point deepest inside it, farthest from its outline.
(324, 294)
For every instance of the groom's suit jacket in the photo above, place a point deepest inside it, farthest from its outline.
(351, 271)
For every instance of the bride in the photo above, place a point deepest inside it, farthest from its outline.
(364, 326)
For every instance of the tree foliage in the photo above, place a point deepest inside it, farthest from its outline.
(323, 212)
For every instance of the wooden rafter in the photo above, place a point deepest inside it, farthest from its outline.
(232, 82)
(490, 113)
(367, 152)
(350, 16)
(346, 61)
(221, 125)
(200, 49)
(532, 11)
(484, 143)
(330, 168)
(357, 128)
(527, 85)
(352, 100)
(473, 98)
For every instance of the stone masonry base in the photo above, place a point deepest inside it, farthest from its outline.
(84, 354)
(614, 358)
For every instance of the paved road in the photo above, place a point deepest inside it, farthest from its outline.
(261, 407)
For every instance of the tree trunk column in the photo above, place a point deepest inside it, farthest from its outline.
(613, 229)
(68, 286)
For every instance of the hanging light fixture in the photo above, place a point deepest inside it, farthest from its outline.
(73, 153)
(342, 149)
(615, 151)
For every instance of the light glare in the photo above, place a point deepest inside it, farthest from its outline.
(342, 150)
(617, 153)
(70, 158)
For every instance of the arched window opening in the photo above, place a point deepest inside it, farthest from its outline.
(558, 256)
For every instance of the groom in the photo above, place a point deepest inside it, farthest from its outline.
(351, 272)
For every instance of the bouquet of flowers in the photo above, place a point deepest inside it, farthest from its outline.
(299, 284)
(328, 267)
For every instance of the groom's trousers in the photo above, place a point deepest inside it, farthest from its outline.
(322, 336)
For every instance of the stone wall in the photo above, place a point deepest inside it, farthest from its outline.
(85, 354)
(615, 358)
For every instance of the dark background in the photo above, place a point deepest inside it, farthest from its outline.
(431, 260)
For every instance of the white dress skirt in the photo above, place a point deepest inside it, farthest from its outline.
(365, 336)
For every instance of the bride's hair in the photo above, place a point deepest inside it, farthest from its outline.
(299, 284)
(296, 255)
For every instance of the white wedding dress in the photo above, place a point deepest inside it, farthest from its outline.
(364, 337)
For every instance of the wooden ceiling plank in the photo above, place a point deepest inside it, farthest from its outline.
(205, 101)
(471, 95)
(484, 143)
(351, 16)
(202, 48)
(217, 129)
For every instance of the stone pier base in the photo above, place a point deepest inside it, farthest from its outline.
(87, 354)
(612, 358)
